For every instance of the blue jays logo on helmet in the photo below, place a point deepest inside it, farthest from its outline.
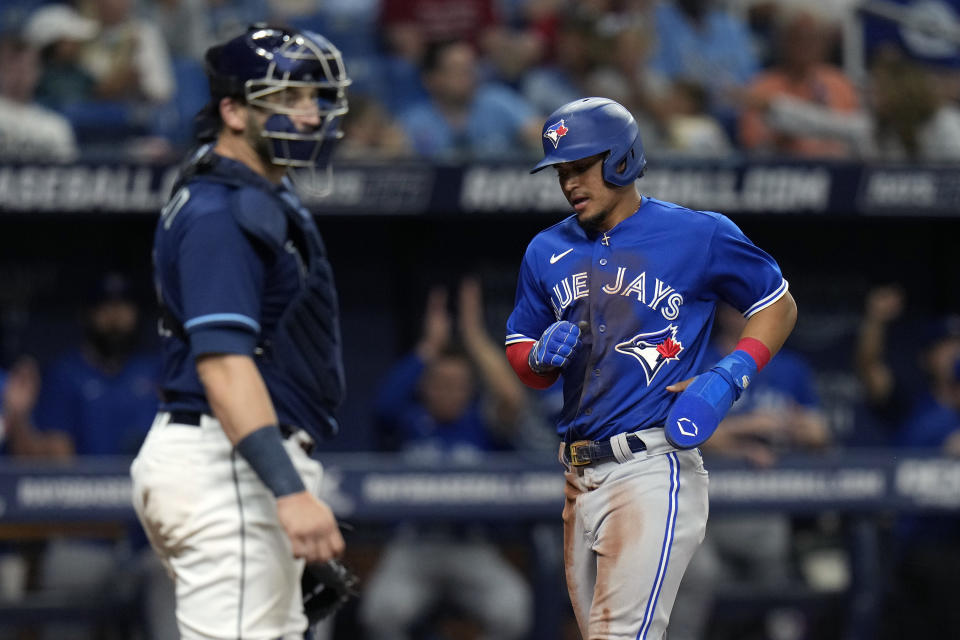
(554, 132)
(653, 350)
(593, 126)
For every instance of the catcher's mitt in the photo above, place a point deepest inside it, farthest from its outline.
(326, 588)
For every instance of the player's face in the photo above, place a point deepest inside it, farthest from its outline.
(300, 103)
(585, 189)
(115, 315)
(447, 388)
(297, 103)
(942, 359)
(454, 79)
(112, 327)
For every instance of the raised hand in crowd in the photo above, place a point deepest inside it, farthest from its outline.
(437, 325)
(883, 305)
(505, 389)
(19, 399)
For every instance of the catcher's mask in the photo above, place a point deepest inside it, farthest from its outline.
(591, 126)
(263, 68)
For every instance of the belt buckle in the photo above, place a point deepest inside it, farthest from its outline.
(576, 459)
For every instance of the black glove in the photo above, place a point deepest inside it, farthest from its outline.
(326, 588)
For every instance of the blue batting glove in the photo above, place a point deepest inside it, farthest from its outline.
(553, 349)
(702, 406)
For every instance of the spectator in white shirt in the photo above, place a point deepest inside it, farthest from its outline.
(27, 130)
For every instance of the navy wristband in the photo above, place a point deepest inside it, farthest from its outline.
(265, 452)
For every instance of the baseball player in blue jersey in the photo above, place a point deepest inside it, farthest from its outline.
(224, 484)
(618, 300)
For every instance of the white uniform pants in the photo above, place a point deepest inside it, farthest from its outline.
(214, 524)
(630, 530)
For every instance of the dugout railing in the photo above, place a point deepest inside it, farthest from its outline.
(864, 489)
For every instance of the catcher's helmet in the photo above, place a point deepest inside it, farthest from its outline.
(589, 126)
(265, 61)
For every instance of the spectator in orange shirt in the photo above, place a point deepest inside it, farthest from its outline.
(802, 72)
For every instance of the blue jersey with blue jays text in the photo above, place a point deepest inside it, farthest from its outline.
(648, 290)
(231, 253)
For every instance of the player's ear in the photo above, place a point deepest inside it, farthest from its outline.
(234, 114)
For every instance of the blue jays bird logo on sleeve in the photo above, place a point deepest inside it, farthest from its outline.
(653, 350)
(554, 132)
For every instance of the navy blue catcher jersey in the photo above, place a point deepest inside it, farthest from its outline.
(224, 291)
(647, 290)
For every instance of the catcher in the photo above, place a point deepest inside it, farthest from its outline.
(225, 484)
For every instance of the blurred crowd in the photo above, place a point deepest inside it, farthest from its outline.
(453, 398)
(473, 80)
(462, 80)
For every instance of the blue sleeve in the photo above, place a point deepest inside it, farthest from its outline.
(928, 428)
(59, 405)
(741, 273)
(664, 59)
(805, 390)
(429, 135)
(510, 106)
(3, 436)
(221, 279)
(398, 390)
(531, 313)
(746, 59)
(398, 412)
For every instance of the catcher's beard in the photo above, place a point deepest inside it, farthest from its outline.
(261, 144)
(111, 344)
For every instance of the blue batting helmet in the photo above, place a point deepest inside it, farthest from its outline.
(258, 66)
(589, 126)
